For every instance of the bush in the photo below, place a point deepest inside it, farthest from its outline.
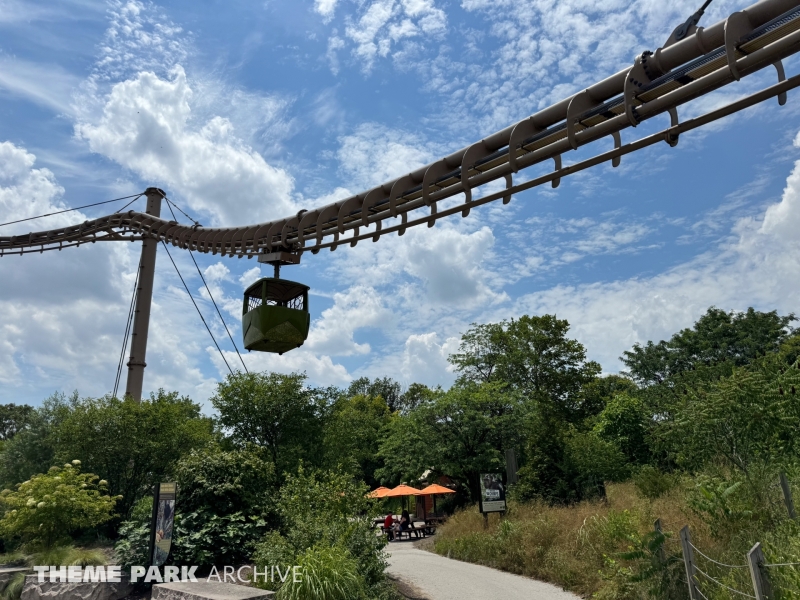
(49, 507)
(324, 509)
(652, 483)
(328, 573)
(223, 505)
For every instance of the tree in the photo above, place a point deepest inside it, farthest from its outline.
(461, 433)
(32, 450)
(13, 419)
(624, 423)
(385, 387)
(274, 411)
(132, 445)
(717, 337)
(416, 395)
(750, 418)
(533, 355)
(353, 432)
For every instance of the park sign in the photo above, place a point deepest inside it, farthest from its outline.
(161, 524)
(493, 493)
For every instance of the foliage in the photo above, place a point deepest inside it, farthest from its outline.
(223, 482)
(717, 502)
(274, 411)
(325, 509)
(385, 387)
(32, 450)
(461, 433)
(623, 422)
(328, 573)
(12, 590)
(203, 538)
(716, 337)
(48, 507)
(13, 419)
(533, 355)
(652, 483)
(133, 544)
(749, 418)
(565, 464)
(132, 445)
(353, 432)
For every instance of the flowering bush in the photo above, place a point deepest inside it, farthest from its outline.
(48, 507)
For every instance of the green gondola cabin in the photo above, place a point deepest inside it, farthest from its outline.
(275, 315)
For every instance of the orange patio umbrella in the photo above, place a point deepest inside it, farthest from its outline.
(402, 490)
(434, 489)
(378, 492)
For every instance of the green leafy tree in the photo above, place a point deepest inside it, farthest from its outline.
(48, 507)
(750, 418)
(326, 510)
(32, 450)
(223, 505)
(274, 411)
(416, 395)
(353, 432)
(385, 387)
(460, 433)
(132, 445)
(13, 419)
(534, 356)
(624, 423)
(717, 337)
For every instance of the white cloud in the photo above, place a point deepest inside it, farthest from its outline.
(146, 126)
(321, 370)
(384, 24)
(424, 359)
(357, 308)
(373, 154)
(28, 192)
(756, 266)
(325, 8)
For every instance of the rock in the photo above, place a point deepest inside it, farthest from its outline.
(34, 590)
(7, 573)
(207, 590)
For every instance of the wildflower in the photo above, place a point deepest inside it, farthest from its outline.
(76, 462)
(40, 505)
(102, 482)
(30, 502)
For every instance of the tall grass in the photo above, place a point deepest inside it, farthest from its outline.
(606, 549)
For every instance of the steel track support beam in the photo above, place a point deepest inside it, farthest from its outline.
(144, 298)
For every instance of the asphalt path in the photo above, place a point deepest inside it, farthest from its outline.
(427, 576)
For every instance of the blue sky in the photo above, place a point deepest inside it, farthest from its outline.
(247, 111)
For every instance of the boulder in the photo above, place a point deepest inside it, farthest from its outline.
(207, 590)
(34, 590)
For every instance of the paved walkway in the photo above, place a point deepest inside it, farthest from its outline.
(434, 577)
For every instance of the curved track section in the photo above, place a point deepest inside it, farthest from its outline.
(657, 83)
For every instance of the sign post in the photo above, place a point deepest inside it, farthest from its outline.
(493, 493)
(161, 524)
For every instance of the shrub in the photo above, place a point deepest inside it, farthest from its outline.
(652, 483)
(324, 509)
(328, 573)
(48, 507)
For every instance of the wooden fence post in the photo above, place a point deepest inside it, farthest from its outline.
(755, 560)
(662, 557)
(787, 496)
(688, 561)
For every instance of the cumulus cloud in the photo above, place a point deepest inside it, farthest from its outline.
(145, 126)
(356, 308)
(756, 265)
(325, 8)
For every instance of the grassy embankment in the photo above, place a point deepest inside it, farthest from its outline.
(600, 549)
